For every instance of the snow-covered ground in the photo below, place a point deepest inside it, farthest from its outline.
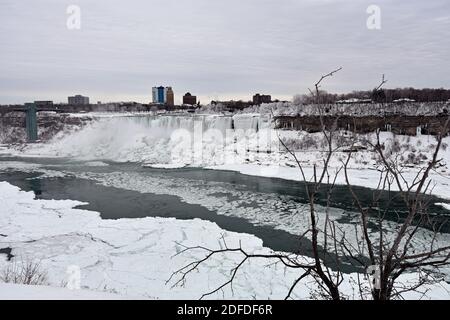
(128, 257)
(444, 205)
(10, 291)
(135, 258)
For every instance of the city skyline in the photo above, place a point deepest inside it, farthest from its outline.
(219, 51)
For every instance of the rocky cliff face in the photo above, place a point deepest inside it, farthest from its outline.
(12, 126)
(398, 124)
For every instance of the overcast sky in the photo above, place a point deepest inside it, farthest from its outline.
(217, 49)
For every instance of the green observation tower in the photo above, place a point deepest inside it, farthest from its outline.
(31, 122)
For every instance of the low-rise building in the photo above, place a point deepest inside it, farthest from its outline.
(189, 99)
(78, 100)
(43, 103)
(232, 105)
(261, 98)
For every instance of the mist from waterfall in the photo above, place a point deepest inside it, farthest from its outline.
(166, 140)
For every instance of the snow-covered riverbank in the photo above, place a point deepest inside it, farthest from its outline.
(25, 292)
(362, 177)
(128, 257)
(135, 258)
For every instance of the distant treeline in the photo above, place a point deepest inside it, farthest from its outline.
(384, 95)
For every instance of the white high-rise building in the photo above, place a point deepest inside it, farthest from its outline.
(155, 95)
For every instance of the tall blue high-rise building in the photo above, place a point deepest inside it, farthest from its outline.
(160, 94)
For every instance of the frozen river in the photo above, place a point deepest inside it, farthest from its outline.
(274, 210)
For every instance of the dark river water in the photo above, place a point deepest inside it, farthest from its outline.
(114, 203)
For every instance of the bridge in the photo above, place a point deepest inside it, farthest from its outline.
(4, 110)
(31, 110)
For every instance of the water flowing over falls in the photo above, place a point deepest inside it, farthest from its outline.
(170, 140)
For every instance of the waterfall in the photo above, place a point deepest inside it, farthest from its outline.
(162, 139)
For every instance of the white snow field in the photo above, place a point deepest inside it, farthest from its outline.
(10, 291)
(135, 258)
(127, 257)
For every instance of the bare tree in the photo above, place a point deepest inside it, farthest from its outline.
(392, 256)
(327, 279)
(26, 272)
(397, 255)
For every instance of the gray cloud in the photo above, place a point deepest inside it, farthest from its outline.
(217, 49)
